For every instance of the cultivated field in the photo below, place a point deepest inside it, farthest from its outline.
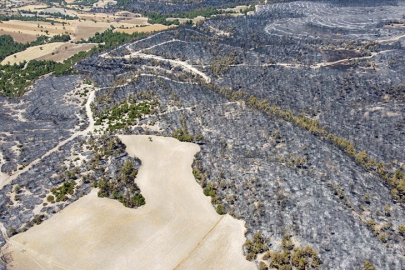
(66, 51)
(148, 28)
(83, 28)
(32, 53)
(103, 3)
(178, 227)
(19, 37)
(58, 51)
(86, 29)
(32, 7)
(36, 28)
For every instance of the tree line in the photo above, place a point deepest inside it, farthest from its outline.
(15, 78)
(8, 46)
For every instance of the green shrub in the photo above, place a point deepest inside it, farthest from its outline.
(221, 209)
(401, 229)
(50, 198)
(368, 265)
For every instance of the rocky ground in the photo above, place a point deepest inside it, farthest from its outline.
(283, 103)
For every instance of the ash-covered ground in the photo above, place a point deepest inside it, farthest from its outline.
(299, 111)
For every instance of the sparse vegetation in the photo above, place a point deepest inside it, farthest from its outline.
(394, 179)
(294, 258)
(368, 265)
(61, 193)
(15, 78)
(125, 114)
(8, 46)
(401, 229)
(255, 246)
(121, 186)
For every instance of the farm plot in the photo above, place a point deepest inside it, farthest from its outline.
(66, 51)
(86, 29)
(19, 37)
(32, 7)
(36, 28)
(148, 28)
(176, 225)
(32, 53)
(104, 3)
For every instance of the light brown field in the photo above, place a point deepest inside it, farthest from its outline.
(84, 32)
(99, 17)
(86, 29)
(32, 7)
(124, 17)
(60, 10)
(19, 37)
(66, 51)
(198, 18)
(103, 3)
(176, 229)
(136, 21)
(32, 53)
(149, 28)
(83, 28)
(183, 20)
(236, 9)
(127, 14)
(31, 28)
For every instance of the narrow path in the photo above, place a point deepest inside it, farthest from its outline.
(7, 179)
(395, 38)
(186, 66)
(314, 66)
(2, 175)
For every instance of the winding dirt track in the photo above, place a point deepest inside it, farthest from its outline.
(6, 179)
(177, 228)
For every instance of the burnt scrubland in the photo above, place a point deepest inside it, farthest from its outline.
(298, 110)
(184, 8)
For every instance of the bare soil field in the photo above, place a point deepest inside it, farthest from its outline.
(83, 28)
(86, 29)
(99, 17)
(227, 233)
(178, 227)
(32, 7)
(62, 11)
(149, 28)
(31, 28)
(84, 32)
(103, 3)
(19, 37)
(138, 21)
(32, 53)
(236, 9)
(66, 51)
